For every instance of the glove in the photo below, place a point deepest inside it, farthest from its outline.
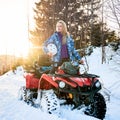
(81, 61)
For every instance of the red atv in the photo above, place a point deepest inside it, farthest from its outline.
(51, 91)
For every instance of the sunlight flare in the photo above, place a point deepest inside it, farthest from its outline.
(14, 39)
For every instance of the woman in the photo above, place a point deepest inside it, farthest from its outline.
(64, 43)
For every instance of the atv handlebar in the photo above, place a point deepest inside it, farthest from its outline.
(54, 66)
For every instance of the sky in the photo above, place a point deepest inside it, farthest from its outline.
(14, 26)
(13, 109)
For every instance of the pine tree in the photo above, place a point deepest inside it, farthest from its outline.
(76, 13)
(44, 22)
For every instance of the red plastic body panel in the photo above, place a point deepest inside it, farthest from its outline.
(47, 82)
(81, 81)
(31, 81)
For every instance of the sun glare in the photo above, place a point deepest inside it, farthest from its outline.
(14, 27)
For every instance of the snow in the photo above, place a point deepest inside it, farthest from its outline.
(13, 109)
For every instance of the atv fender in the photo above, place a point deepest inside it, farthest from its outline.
(47, 82)
(68, 81)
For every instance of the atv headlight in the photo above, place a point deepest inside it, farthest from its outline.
(97, 84)
(61, 84)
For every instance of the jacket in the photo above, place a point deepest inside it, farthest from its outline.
(73, 54)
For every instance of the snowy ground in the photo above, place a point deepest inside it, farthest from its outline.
(13, 109)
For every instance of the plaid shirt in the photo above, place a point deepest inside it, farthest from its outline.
(73, 54)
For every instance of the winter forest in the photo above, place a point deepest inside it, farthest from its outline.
(27, 88)
(89, 21)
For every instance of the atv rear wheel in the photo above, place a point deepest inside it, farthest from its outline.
(49, 102)
(98, 107)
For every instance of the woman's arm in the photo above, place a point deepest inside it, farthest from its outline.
(74, 54)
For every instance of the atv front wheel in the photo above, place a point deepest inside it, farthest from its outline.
(98, 107)
(22, 93)
(49, 102)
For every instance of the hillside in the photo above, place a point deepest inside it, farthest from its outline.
(13, 109)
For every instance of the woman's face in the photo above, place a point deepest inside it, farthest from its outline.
(59, 27)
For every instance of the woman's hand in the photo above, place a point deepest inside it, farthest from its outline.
(81, 61)
(50, 54)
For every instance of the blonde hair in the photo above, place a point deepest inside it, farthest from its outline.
(64, 32)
